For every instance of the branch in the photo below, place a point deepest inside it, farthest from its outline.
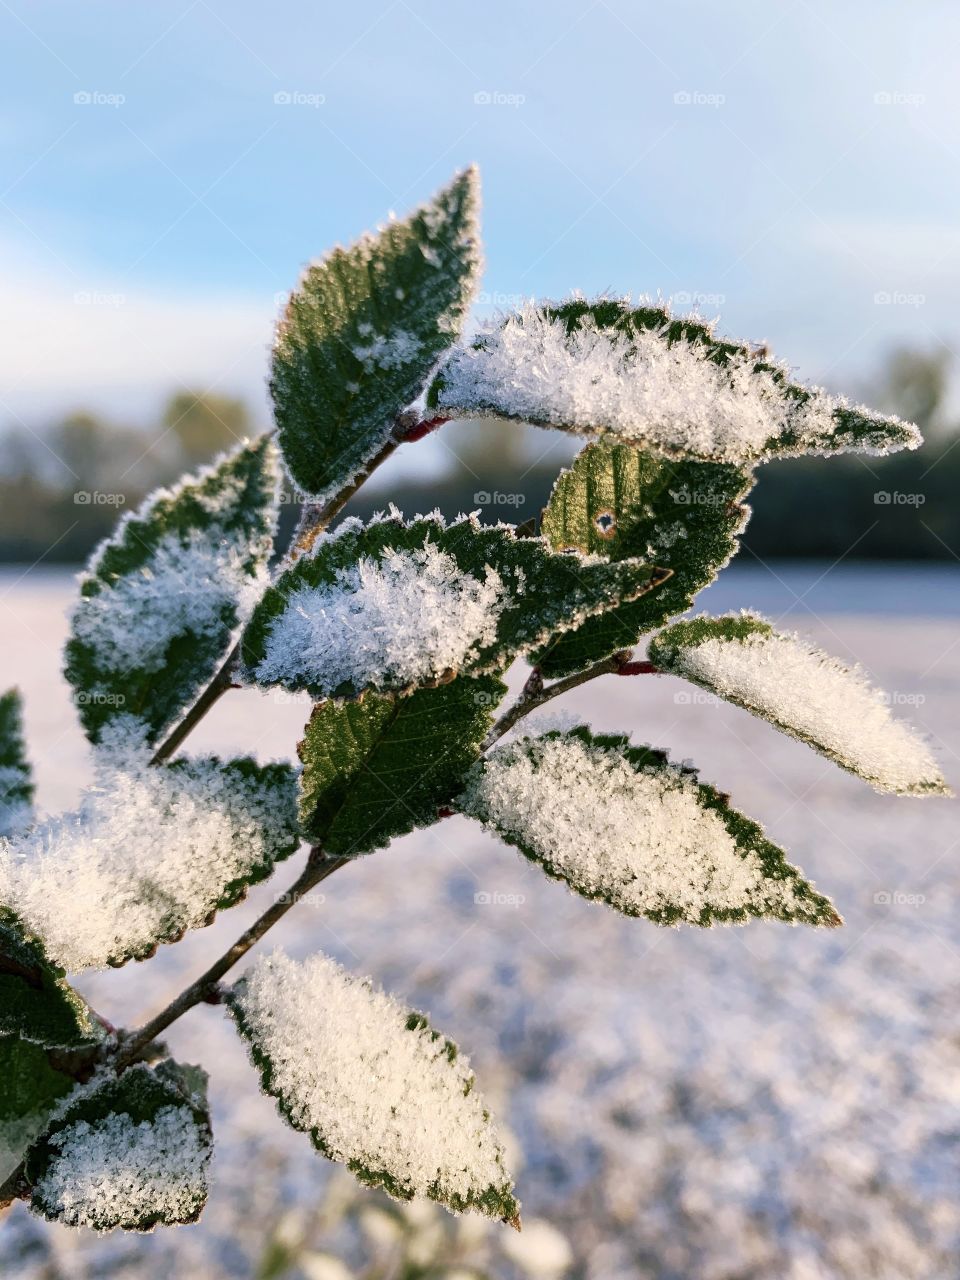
(314, 519)
(318, 868)
(535, 694)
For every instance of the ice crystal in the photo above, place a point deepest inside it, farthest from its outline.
(149, 853)
(640, 838)
(124, 1172)
(375, 1086)
(807, 693)
(646, 385)
(406, 618)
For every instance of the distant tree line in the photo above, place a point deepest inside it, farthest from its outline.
(61, 486)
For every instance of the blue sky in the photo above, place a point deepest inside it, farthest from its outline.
(788, 162)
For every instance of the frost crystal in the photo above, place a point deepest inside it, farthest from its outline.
(119, 1171)
(646, 385)
(640, 838)
(149, 853)
(185, 587)
(375, 1086)
(407, 618)
(808, 694)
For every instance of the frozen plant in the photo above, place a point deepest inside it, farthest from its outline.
(402, 631)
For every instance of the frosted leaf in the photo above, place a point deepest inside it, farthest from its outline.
(405, 619)
(643, 376)
(126, 1152)
(381, 766)
(806, 693)
(35, 1001)
(375, 1087)
(623, 825)
(16, 785)
(621, 502)
(392, 605)
(362, 332)
(163, 597)
(150, 853)
(30, 1087)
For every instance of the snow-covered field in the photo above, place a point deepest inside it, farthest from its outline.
(740, 1104)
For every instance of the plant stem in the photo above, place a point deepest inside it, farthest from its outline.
(218, 686)
(535, 694)
(318, 868)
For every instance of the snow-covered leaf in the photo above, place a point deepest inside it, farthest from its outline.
(30, 1087)
(372, 1083)
(390, 606)
(35, 1001)
(16, 786)
(621, 502)
(363, 330)
(806, 693)
(621, 824)
(643, 375)
(128, 1151)
(164, 595)
(150, 853)
(382, 765)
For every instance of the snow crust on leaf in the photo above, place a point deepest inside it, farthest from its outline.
(405, 619)
(624, 825)
(165, 594)
(149, 853)
(644, 376)
(805, 692)
(188, 585)
(119, 1171)
(372, 1083)
(387, 604)
(16, 784)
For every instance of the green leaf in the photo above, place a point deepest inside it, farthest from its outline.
(372, 1083)
(163, 596)
(129, 1151)
(660, 381)
(30, 1087)
(16, 785)
(804, 692)
(622, 503)
(381, 766)
(36, 1003)
(390, 606)
(622, 825)
(363, 330)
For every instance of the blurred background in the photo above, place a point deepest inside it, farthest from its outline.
(731, 1106)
